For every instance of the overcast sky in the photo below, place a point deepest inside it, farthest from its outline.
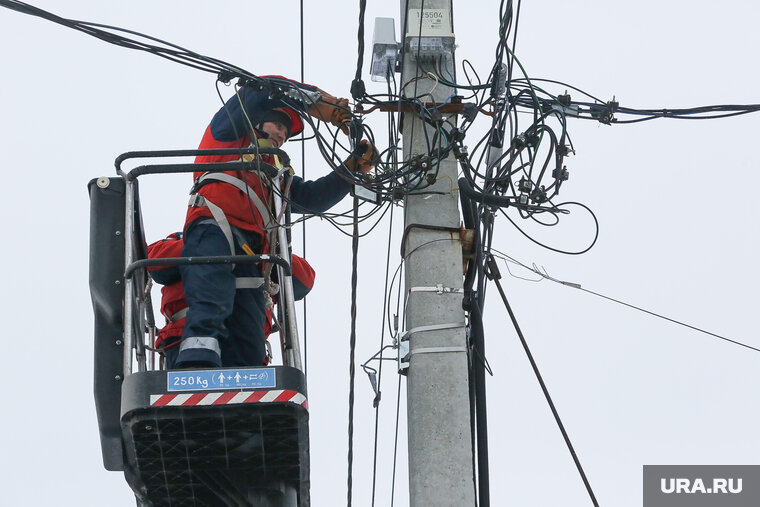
(674, 198)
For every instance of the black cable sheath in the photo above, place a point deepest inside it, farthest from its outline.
(478, 406)
(477, 339)
(473, 418)
(360, 39)
(492, 200)
(352, 348)
(358, 89)
(469, 217)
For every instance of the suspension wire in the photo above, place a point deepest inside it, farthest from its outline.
(395, 442)
(380, 367)
(352, 346)
(376, 402)
(546, 276)
(494, 275)
(392, 133)
(663, 317)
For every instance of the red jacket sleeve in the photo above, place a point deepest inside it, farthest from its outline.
(303, 277)
(171, 246)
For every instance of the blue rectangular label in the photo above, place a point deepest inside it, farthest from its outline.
(201, 380)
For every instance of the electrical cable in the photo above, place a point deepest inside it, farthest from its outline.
(546, 276)
(495, 276)
(352, 349)
(358, 89)
(395, 442)
(663, 317)
(542, 142)
(380, 367)
(593, 242)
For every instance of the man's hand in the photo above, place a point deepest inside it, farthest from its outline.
(332, 110)
(364, 158)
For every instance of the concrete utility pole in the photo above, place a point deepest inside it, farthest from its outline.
(440, 446)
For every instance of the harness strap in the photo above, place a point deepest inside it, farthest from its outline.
(249, 282)
(262, 208)
(198, 201)
(181, 314)
(243, 282)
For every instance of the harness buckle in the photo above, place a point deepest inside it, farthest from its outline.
(268, 346)
(196, 201)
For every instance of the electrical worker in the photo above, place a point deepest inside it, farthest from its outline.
(230, 212)
(174, 305)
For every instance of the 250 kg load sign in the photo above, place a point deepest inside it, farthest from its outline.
(202, 380)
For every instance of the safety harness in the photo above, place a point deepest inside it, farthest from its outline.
(243, 282)
(268, 217)
(197, 200)
(232, 233)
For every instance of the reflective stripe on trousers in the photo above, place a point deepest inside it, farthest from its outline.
(218, 309)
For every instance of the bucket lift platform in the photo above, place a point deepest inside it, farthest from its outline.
(219, 445)
(197, 438)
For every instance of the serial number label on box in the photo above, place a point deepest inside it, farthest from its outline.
(434, 22)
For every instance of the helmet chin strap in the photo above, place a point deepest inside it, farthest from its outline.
(260, 133)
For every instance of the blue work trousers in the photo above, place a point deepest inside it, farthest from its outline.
(224, 325)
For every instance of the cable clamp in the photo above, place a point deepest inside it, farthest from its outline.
(306, 97)
(436, 350)
(438, 289)
(405, 355)
(432, 327)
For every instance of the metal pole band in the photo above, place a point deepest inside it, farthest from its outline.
(436, 350)
(432, 327)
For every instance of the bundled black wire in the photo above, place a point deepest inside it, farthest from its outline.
(111, 35)
(392, 178)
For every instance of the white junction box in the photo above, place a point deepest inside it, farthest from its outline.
(428, 33)
(384, 49)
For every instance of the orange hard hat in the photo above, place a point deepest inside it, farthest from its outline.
(296, 124)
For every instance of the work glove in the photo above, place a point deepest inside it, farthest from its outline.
(332, 110)
(363, 159)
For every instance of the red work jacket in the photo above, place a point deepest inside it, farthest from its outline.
(173, 292)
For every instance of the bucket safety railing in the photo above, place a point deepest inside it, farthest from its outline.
(139, 322)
